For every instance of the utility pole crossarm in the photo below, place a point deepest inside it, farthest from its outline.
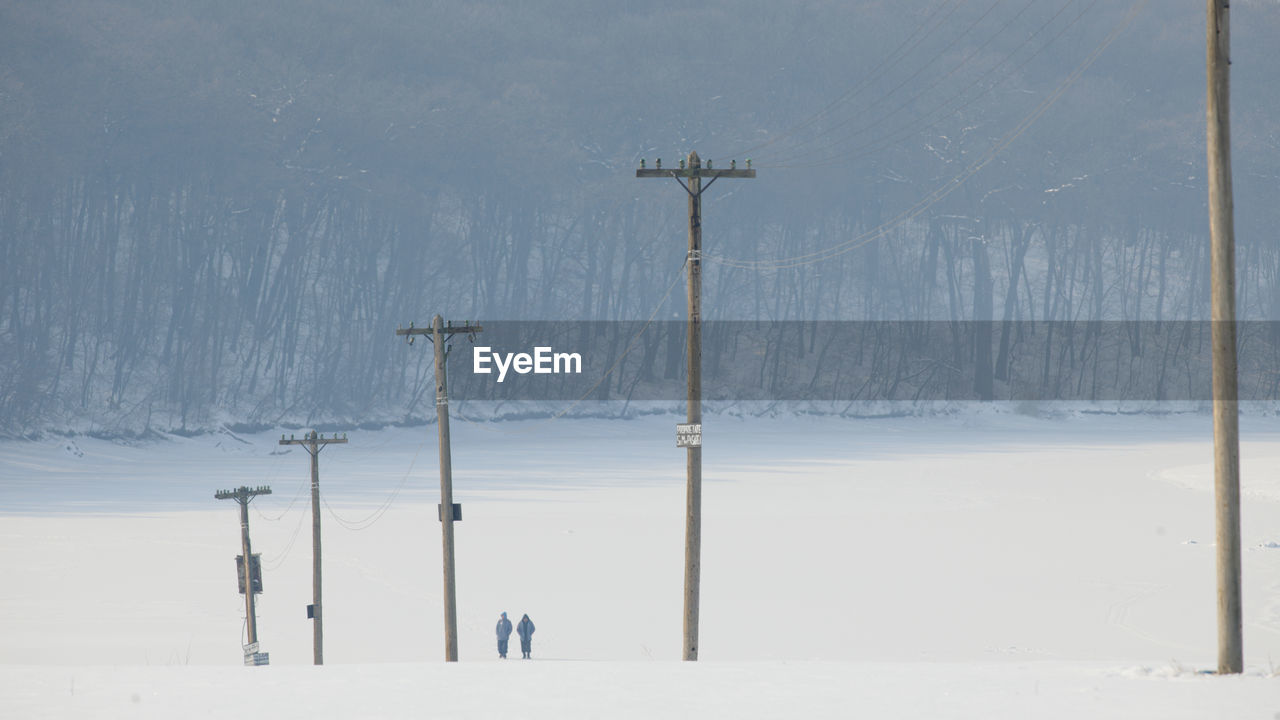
(700, 172)
(447, 330)
(307, 440)
(243, 494)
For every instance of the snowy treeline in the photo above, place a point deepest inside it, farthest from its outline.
(164, 309)
(211, 213)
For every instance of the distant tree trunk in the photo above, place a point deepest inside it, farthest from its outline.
(1021, 241)
(983, 316)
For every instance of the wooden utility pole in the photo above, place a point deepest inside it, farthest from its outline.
(244, 496)
(438, 333)
(313, 444)
(1226, 419)
(690, 178)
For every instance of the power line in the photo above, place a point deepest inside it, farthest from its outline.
(950, 186)
(922, 123)
(277, 561)
(866, 109)
(302, 487)
(371, 519)
(857, 89)
(898, 134)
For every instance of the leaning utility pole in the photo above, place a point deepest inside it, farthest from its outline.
(693, 172)
(313, 444)
(1226, 420)
(447, 511)
(244, 496)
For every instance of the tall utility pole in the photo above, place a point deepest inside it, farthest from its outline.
(1226, 419)
(244, 496)
(313, 444)
(438, 334)
(690, 178)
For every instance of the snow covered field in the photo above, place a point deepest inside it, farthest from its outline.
(985, 564)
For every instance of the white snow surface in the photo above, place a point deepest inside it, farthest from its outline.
(979, 565)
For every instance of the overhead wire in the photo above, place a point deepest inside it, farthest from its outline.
(866, 109)
(899, 133)
(857, 89)
(373, 517)
(302, 487)
(274, 562)
(951, 185)
(923, 123)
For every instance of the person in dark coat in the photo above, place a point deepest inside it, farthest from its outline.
(525, 631)
(504, 632)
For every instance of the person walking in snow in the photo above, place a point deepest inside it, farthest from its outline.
(525, 631)
(504, 632)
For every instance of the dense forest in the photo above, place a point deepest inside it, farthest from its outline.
(219, 211)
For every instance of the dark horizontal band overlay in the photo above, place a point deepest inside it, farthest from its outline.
(861, 361)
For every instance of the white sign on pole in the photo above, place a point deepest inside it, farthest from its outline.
(688, 435)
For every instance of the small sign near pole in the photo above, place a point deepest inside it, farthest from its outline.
(688, 435)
